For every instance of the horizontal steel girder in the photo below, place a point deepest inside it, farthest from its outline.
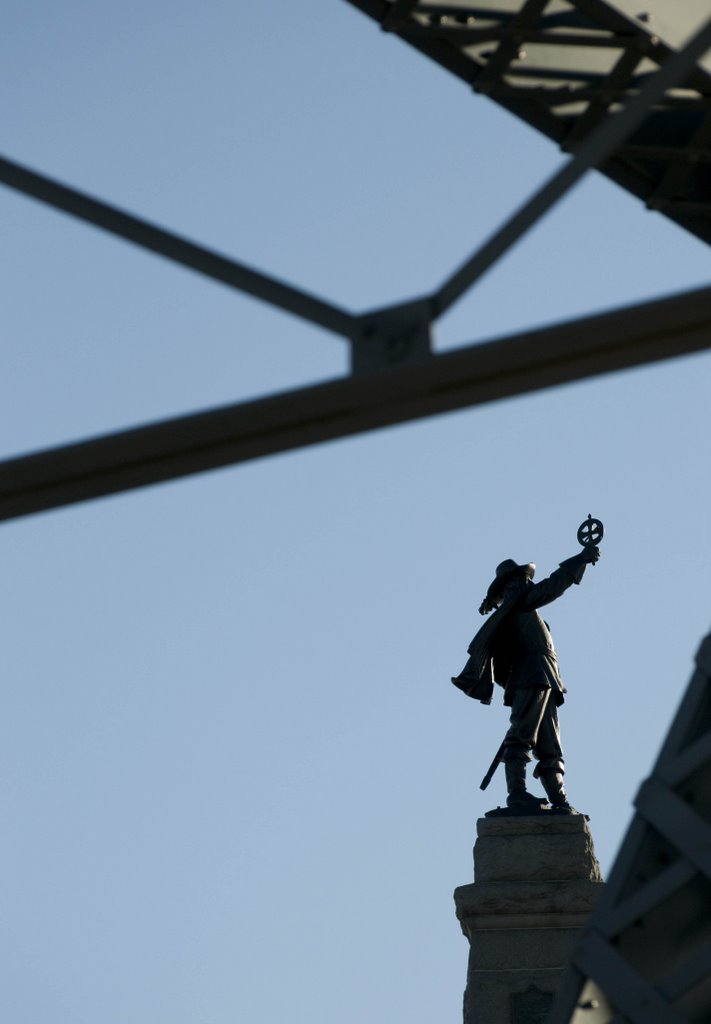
(454, 380)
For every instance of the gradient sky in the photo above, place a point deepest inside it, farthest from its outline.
(236, 783)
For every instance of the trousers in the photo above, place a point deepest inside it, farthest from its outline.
(534, 730)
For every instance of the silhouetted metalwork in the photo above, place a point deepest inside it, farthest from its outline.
(564, 67)
(645, 956)
(590, 532)
(395, 375)
(455, 380)
(173, 247)
(603, 139)
(515, 649)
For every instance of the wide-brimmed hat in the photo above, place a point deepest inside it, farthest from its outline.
(504, 571)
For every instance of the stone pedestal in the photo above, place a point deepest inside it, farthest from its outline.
(536, 880)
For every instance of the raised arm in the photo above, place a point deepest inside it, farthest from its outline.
(570, 571)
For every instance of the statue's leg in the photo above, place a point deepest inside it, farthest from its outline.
(518, 796)
(551, 766)
(526, 711)
(555, 790)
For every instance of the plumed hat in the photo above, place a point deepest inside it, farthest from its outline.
(504, 572)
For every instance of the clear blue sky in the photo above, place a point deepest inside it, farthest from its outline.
(236, 784)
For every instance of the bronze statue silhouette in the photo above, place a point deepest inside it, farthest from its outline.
(514, 648)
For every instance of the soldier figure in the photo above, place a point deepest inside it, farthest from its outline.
(515, 648)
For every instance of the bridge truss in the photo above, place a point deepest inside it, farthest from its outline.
(622, 90)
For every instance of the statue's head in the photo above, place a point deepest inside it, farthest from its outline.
(510, 576)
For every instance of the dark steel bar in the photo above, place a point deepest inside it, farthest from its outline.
(671, 101)
(593, 151)
(602, 11)
(567, 994)
(677, 821)
(509, 46)
(461, 35)
(691, 972)
(174, 247)
(398, 14)
(455, 380)
(665, 154)
(681, 167)
(631, 994)
(650, 895)
(598, 108)
(449, 57)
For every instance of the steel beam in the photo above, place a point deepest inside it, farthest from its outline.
(648, 940)
(471, 376)
(552, 86)
(525, 18)
(593, 152)
(174, 247)
(679, 823)
(638, 1000)
(642, 901)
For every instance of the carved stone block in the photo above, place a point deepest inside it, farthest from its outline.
(537, 878)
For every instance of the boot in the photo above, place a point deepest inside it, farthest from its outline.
(552, 782)
(518, 797)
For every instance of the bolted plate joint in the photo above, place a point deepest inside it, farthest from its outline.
(392, 337)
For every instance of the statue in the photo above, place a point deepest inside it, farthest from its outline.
(515, 649)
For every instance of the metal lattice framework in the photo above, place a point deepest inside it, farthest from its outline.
(645, 957)
(649, 89)
(621, 90)
(562, 66)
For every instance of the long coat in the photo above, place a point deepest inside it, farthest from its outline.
(514, 647)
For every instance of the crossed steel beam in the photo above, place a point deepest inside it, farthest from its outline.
(455, 380)
(562, 66)
(395, 376)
